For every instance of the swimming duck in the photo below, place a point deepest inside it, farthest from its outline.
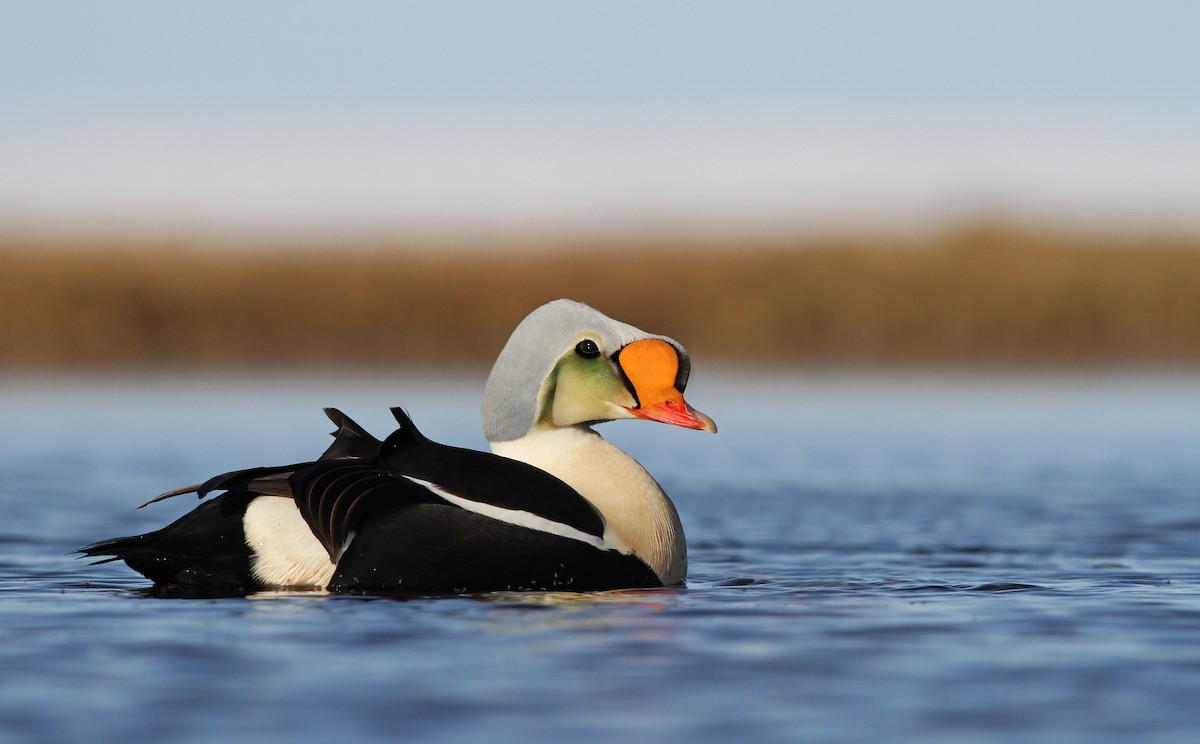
(556, 507)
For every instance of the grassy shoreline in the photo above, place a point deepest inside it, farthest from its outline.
(987, 295)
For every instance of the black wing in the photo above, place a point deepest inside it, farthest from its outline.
(334, 496)
(389, 525)
(487, 478)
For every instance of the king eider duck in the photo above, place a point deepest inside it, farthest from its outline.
(556, 507)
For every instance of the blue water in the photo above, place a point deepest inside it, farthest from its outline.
(873, 558)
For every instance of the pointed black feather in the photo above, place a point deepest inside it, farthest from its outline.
(407, 426)
(350, 440)
(168, 494)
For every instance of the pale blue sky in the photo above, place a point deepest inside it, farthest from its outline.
(513, 116)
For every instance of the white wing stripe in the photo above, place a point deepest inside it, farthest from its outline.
(518, 517)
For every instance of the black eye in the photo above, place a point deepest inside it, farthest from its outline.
(587, 349)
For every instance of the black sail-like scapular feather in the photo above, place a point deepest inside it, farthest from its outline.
(350, 441)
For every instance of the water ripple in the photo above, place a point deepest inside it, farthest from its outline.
(987, 562)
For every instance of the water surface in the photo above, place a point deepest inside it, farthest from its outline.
(873, 558)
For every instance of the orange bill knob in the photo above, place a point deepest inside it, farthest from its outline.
(651, 366)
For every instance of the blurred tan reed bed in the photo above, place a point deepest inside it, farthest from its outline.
(987, 296)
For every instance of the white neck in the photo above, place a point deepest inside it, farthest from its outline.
(631, 501)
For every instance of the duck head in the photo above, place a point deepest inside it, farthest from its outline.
(567, 364)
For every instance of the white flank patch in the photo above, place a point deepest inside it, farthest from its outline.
(523, 518)
(286, 552)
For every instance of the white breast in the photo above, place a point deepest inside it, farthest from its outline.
(631, 501)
